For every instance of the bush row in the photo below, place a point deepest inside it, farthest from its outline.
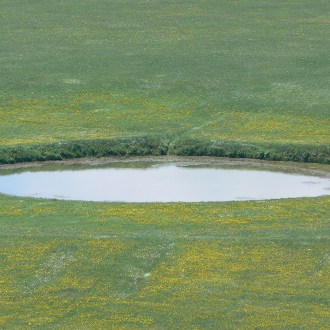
(283, 152)
(159, 145)
(142, 146)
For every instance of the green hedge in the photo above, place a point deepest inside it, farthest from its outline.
(150, 146)
(284, 152)
(160, 145)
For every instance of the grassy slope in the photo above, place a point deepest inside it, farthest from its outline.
(218, 265)
(250, 71)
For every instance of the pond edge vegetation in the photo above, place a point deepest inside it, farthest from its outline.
(162, 145)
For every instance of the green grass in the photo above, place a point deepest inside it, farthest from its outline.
(249, 71)
(121, 77)
(235, 265)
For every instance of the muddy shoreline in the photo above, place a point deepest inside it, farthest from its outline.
(304, 168)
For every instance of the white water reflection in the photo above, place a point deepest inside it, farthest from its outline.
(163, 183)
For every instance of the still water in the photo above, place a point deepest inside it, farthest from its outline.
(162, 183)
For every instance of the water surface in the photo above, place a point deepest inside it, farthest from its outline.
(162, 183)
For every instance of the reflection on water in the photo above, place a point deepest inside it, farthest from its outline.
(163, 183)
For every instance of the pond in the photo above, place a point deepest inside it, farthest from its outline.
(159, 182)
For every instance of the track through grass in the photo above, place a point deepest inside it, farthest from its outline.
(249, 71)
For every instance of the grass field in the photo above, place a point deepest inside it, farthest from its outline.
(233, 265)
(252, 71)
(208, 75)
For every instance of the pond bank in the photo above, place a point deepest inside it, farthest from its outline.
(322, 170)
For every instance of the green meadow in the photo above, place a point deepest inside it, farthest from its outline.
(243, 78)
(239, 265)
(248, 71)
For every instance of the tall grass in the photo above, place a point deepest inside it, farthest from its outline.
(158, 145)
